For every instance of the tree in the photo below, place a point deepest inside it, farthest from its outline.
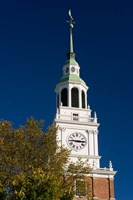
(33, 166)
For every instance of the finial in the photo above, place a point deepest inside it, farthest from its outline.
(71, 54)
(88, 106)
(95, 117)
(94, 165)
(110, 166)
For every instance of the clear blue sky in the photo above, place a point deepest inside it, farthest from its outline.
(33, 45)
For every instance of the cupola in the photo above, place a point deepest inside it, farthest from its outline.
(71, 90)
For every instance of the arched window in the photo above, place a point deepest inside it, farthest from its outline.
(64, 97)
(75, 97)
(83, 99)
(57, 101)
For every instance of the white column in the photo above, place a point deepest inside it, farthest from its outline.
(96, 143)
(85, 100)
(88, 139)
(91, 142)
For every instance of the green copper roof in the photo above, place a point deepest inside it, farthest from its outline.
(71, 77)
(71, 61)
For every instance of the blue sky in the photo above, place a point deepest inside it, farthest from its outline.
(34, 40)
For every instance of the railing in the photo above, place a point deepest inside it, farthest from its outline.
(74, 118)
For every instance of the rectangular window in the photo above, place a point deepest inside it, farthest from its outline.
(80, 188)
(75, 117)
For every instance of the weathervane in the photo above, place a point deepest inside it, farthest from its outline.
(71, 24)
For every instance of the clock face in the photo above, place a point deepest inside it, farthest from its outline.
(76, 141)
(73, 69)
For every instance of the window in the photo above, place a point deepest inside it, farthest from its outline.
(75, 97)
(83, 99)
(80, 188)
(64, 97)
(75, 117)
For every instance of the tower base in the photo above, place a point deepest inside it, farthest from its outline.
(100, 185)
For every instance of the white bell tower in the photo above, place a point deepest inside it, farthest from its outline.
(78, 130)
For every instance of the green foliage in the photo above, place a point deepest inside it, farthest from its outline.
(67, 195)
(33, 166)
(38, 185)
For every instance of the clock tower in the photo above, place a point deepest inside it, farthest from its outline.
(77, 128)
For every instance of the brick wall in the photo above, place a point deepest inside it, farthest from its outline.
(99, 189)
(103, 188)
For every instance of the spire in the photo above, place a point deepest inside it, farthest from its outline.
(71, 54)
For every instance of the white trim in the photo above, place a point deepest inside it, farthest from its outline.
(77, 122)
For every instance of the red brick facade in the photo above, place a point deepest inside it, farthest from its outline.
(99, 189)
(103, 188)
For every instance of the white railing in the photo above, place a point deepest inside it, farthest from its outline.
(74, 118)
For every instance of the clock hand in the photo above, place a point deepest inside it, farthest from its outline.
(76, 141)
(72, 140)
